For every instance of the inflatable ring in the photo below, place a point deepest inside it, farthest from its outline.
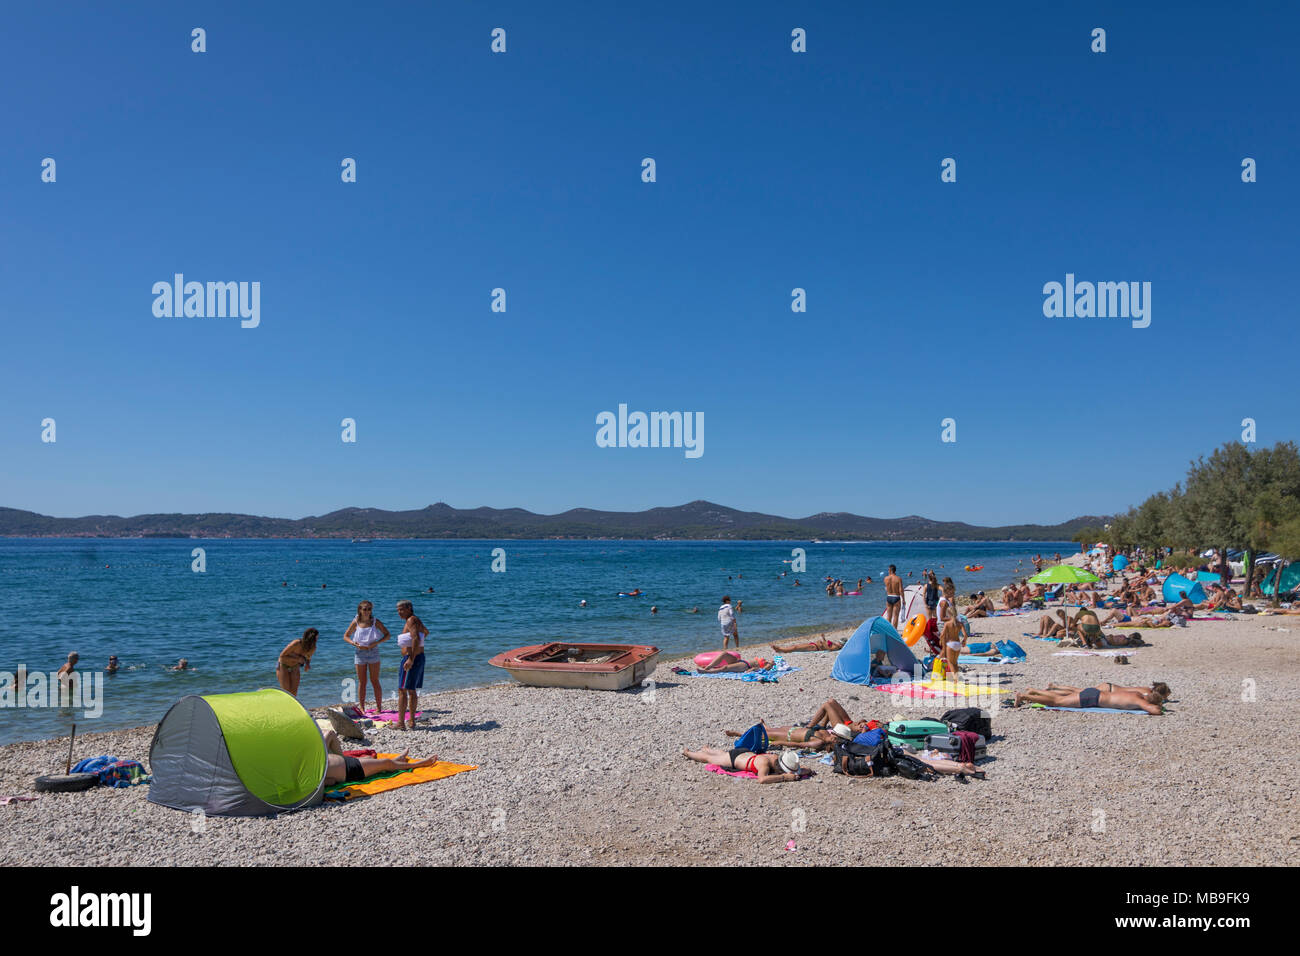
(914, 629)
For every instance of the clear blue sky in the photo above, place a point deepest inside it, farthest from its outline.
(775, 170)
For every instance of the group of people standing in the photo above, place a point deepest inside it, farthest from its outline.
(365, 634)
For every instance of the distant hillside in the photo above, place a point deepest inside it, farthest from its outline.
(697, 520)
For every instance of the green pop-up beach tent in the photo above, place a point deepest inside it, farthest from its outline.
(237, 755)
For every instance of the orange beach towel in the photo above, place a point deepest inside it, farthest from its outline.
(401, 778)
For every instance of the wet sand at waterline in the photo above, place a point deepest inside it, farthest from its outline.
(582, 777)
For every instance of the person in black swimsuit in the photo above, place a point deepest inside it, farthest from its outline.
(343, 769)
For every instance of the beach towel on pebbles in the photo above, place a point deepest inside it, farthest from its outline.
(381, 783)
(768, 675)
(1090, 710)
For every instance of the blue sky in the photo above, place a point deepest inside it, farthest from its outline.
(775, 170)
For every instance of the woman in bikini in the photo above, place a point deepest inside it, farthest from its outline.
(770, 768)
(297, 654)
(731, 662)
(1088, 697)
(820, 644)
(817, 734)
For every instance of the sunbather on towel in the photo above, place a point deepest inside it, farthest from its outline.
(817, 734)
(1149, 701)
(770, 768)
(1160, 687)
(340, 769)
(731, 662)
(820, 644)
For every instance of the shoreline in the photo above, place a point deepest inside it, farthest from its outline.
(1079, 789)
(318, 710)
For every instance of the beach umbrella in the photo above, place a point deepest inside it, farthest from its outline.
(1063, 574)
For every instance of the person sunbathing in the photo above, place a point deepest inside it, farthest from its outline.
(980, 606)
(1056, 626)
(340, 768)
(1012, 598)
(820, 644)
(1159, 687)
(770, 768)
(1090, 697)
(731, 662)
(816, 737)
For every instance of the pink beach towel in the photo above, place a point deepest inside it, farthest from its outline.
(388, 715)
(731, 773)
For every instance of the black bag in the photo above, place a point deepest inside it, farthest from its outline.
(907, 766)
(969, 718)
(860, 760)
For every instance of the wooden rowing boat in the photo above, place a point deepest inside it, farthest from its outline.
(585, 666)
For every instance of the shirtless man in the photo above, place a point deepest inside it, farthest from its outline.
(1159, 687)
(980, 606)
(1148, 701)
(893, 596)
(770, 768)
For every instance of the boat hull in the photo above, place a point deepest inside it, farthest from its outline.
(579, 666)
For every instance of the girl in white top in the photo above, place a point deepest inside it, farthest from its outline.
(365, 633)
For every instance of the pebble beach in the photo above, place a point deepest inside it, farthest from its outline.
(569, 777)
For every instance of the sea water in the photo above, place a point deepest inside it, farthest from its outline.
(141, 600)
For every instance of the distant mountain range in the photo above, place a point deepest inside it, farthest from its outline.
(699, 520)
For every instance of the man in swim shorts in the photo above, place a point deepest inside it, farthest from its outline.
(893, 596)
(1089, 697)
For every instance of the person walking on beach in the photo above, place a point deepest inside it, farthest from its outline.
(410, 673)
(365, 633)
(893, 596)
(931, 594)
(296, 654)
(727, 621)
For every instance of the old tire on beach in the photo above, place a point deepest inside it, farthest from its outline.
(66, 782)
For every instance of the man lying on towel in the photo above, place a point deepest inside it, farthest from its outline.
(1118, 698)
(340, 768)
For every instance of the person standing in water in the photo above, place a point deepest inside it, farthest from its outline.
(410, 673)
(893, 596)
(366, 634)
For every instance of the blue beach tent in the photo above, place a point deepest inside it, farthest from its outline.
(1119, 562)
(1176, 586)
(1290, 580)
(853, 662)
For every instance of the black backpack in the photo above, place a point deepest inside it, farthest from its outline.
(860, 760)
(971, 719)
(907, 766)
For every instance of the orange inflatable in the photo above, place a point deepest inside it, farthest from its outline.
(913, 629)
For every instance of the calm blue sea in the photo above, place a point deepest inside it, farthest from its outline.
(140, 600)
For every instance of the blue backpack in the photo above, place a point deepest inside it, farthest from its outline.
(754, 740)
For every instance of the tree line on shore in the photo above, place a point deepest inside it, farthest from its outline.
(1235, 499)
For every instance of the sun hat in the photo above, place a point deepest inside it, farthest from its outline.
(843, 731)
(789, 761)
